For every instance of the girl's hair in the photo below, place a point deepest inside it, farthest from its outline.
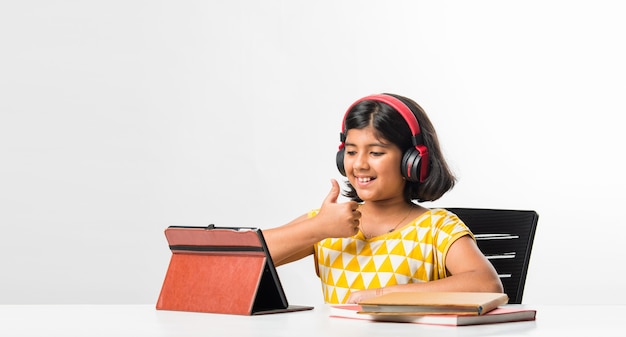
(391, 126)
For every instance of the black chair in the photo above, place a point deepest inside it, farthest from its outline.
(506, 239)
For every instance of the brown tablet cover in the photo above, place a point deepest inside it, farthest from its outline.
(221, 270)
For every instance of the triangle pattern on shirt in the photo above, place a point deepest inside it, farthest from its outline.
(346, 258)
(382, 249)
(386, 279)
(341, 281)
(411, 254)
(333, 295)
(353, 264)
(396, 247)
(321, 258)
(329, 277)
(408, 247)
(366, 263)
(428, 257)
(398, 261)
(423, 271)
(410, 235)
(367, 278)
(378, 261)
(414, 267)
(403, 279)
(354, 279)
(338, 262)
(366, 250)
(375, 282)
(344, 244)
(360, 244)
(351, 247)
(386, 266)
(343, 293)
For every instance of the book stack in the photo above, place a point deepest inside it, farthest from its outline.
(440, 308)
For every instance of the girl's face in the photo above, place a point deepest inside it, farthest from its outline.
(373, 166)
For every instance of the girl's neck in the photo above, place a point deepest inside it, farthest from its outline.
(382, 208)
(380, 218)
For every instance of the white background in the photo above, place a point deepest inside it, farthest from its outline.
(119, 118)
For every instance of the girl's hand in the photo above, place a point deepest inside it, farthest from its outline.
(338, 219)
(362, 295)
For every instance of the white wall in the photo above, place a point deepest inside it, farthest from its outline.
(119, 118)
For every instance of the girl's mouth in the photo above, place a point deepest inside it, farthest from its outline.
(364, 180)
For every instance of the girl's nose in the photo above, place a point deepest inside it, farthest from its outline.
(360, 162)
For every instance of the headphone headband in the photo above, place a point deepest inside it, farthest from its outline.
(397, 105)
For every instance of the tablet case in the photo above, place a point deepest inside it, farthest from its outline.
(224, 270)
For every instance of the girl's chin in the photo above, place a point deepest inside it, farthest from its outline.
(365, 196)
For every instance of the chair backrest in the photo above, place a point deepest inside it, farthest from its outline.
(506, 239)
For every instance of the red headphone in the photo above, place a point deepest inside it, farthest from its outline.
(414, 164)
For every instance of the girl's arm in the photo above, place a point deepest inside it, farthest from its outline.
(295, 240)
(292, 241)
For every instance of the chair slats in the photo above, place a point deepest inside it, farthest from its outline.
(506, 238)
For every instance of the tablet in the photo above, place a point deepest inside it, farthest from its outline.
(221, 270)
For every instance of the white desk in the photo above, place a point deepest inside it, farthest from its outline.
(144, 320)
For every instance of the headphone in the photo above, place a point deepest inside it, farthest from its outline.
(414, 165)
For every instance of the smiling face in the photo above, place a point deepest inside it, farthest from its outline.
(372, 166)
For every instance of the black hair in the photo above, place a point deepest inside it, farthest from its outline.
(391, 126)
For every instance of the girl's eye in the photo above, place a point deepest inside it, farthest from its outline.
(350, 153)
(377, 154)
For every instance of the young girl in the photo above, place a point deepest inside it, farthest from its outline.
(382, 241)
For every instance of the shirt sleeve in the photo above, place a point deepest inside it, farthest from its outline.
(447, 228)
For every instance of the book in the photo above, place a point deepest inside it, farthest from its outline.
(459, 303)
(499, 315)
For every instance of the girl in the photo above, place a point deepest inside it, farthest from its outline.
(382, 240)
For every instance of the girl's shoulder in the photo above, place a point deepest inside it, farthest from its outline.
(443, 213)
(439, 218)
(436, 215)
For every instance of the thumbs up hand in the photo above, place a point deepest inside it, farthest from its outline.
(338, 219)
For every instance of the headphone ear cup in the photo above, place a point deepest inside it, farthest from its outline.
(340, 167)
(411, 163)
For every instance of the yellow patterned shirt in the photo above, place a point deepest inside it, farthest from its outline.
(414, 253)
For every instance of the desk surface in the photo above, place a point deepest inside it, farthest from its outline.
(144, 320)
